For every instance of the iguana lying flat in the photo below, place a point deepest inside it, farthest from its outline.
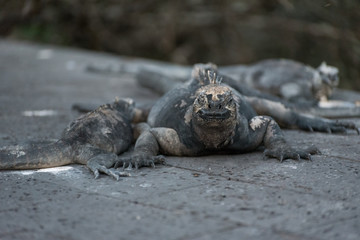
(287, 79)
(94, 139)
(205, 116)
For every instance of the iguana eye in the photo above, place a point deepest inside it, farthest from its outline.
(202, 99)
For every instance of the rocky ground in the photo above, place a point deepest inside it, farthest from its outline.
(213, 197)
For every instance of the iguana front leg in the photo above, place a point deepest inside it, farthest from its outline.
(265, 129)
(146, 149)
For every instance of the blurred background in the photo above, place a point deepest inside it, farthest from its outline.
(190, 31)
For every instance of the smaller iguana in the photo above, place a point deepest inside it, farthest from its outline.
(205, 116)
(94, 139)
(284, 78)
(287, 79)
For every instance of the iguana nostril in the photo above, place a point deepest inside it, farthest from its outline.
(215, 105)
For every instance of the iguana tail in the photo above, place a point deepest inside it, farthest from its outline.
(157, 82)
(336, 112)
(35, 155)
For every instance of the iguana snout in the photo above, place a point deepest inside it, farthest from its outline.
(214, 109)
(217, 114)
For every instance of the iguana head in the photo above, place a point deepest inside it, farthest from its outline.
(124, 105)
(328, 79)
(214, 112)
(329, 74)
(214, 106)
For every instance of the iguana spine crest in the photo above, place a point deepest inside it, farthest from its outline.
(213, 77)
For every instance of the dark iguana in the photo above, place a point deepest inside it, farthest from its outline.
(94, 139)
(287, 79)
(284, 78)
(204, 116)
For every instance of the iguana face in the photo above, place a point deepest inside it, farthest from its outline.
(214, 116)
(214, 107)
(124, 105)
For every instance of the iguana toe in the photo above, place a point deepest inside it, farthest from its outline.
(139, 160)
(102, 164)
(283, 153)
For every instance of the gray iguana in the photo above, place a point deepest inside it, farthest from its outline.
(206, 116)
(94, 139)
(287, 79)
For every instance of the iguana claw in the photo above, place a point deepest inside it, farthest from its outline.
(139, 160)
(285, 152)
(102, 164)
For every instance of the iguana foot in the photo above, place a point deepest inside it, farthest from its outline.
(286, 152)
(108, 171)
(102, 164)
(139, 160)
(326, 125)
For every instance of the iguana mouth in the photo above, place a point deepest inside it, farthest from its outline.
(218, 115)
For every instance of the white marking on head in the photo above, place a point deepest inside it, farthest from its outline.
(326, 69)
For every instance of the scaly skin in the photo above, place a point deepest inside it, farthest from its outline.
(205, 116)
(94, 139)
(291, 83)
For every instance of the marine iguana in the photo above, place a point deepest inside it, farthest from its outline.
(94, 139)
(295, 84)
(287, 79)
(206, 116)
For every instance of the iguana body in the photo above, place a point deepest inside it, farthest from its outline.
(287, 79)
(204, 116)
(94, 139)
(295, 84)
